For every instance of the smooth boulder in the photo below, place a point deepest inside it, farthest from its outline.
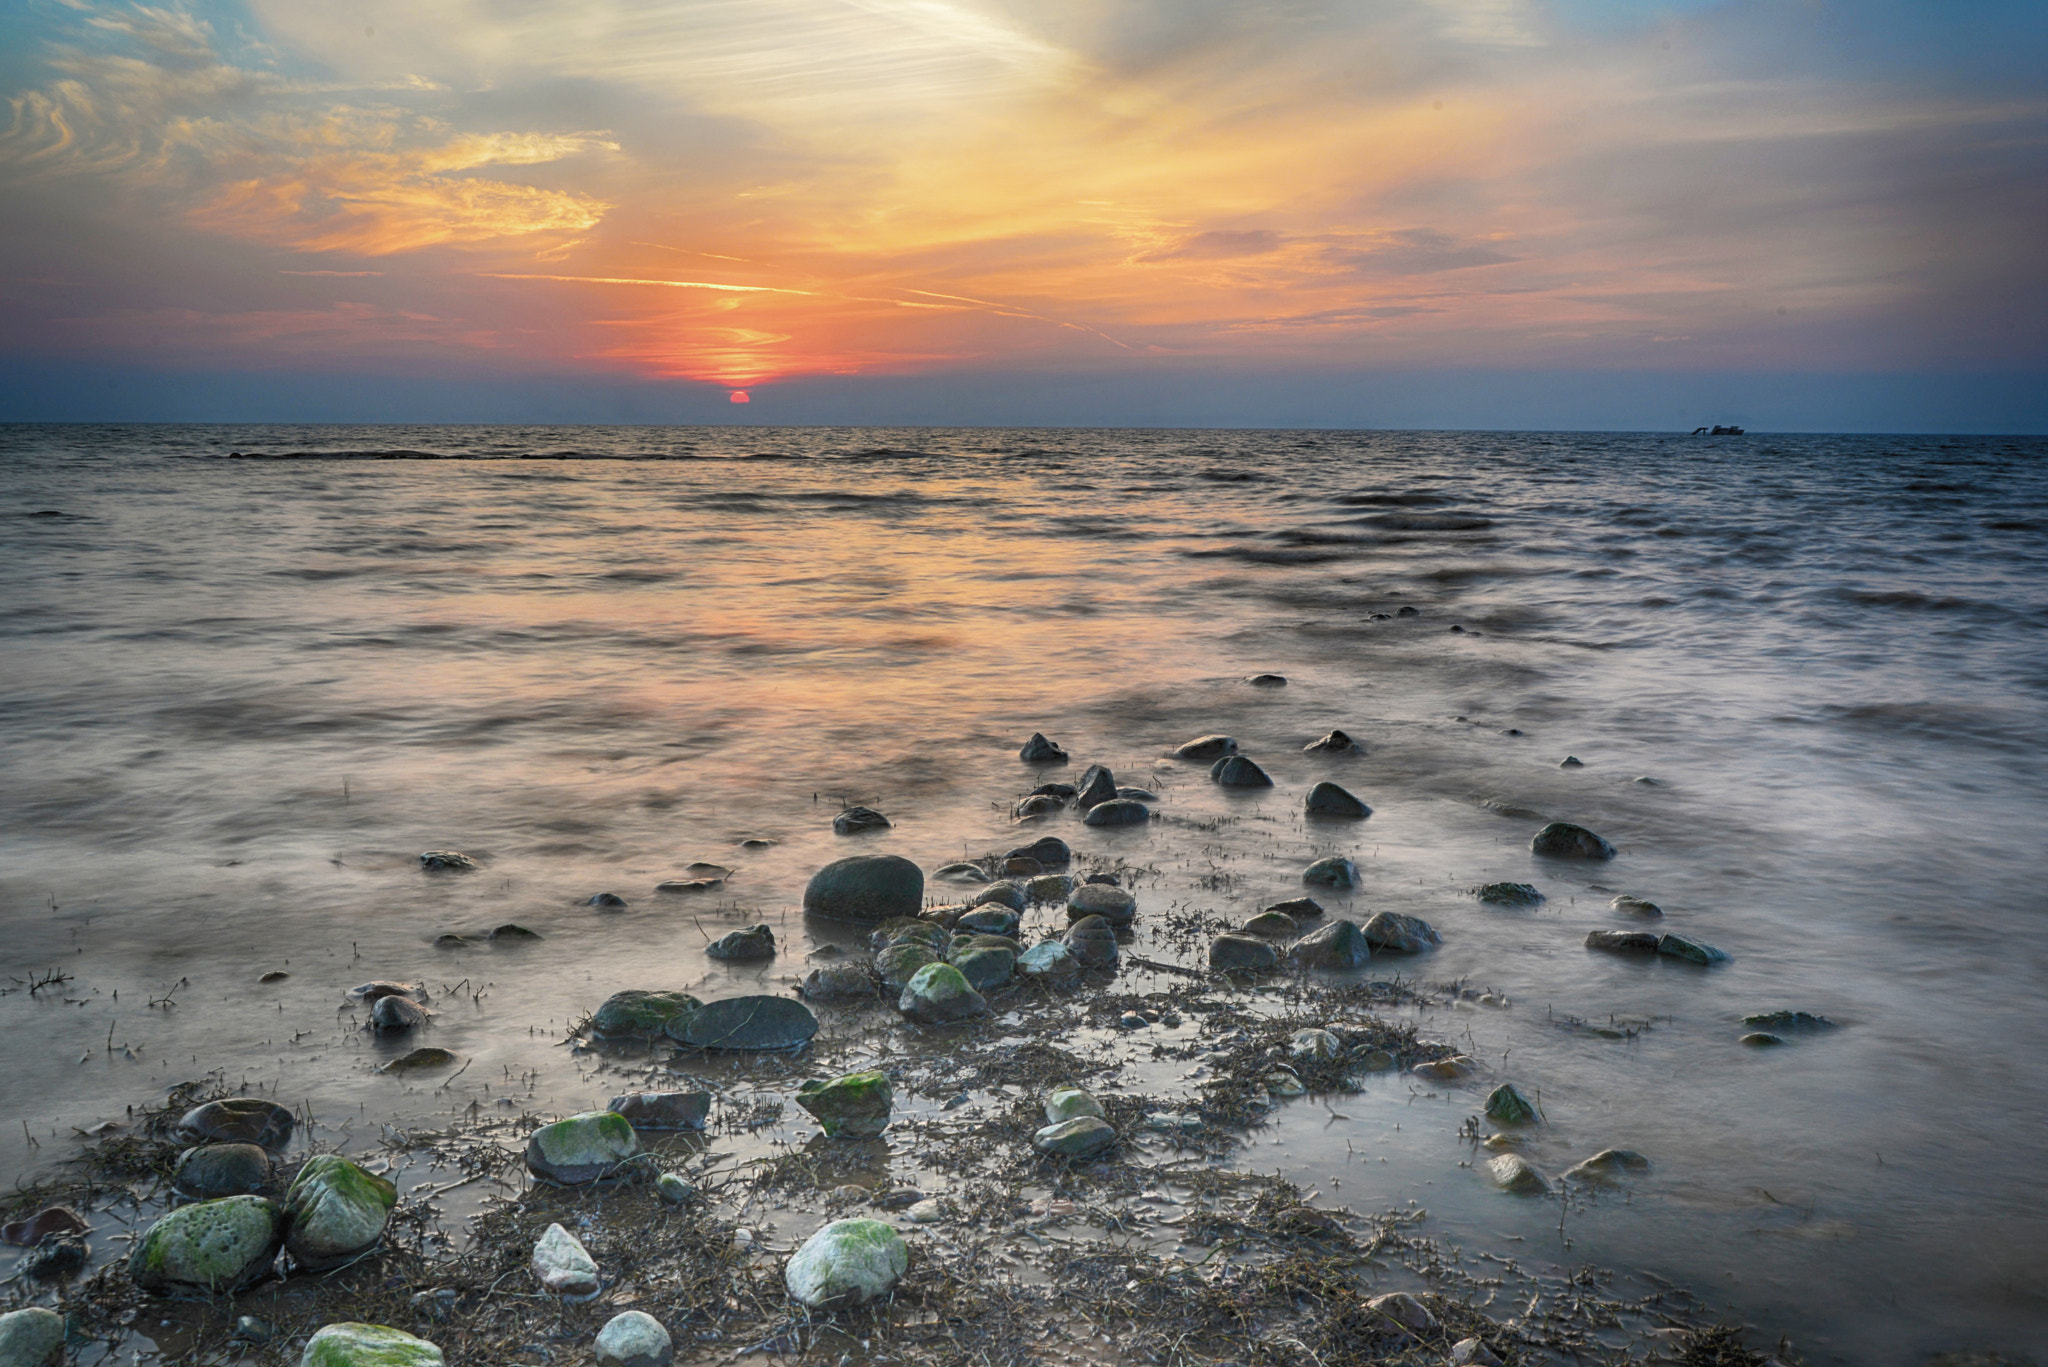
(1097, 786)
(637, 1014)
(985, 966)
(1080, 1137)
(853, 1106)
(1340, 944)
(1106, 900)
(209, 1171)
(563, 1266)
(1069, 1103)
(1517, 1174)
(659, 1111)
(337, 1210)
(1238, 771)
(1049, 959)
(854, 820)
(1333, 872)
(1118, 811)
(1205, 748)
(1276, 923)
(213, 1246)
(847, 1263)
(1405, 934)
(898, 963)
(866, 887)
(1636, 906)
(238, 1120)
(839, 983)
(1231, 952)
(755, 942)
(938, 994)
(1327, 799)
(634, 1338)
(28, 1338)
(368, 1345)
(1050, 851)
(759, 1023)
(1563, 840)
(580, 1149)
(1690, 950)
(1091, 941)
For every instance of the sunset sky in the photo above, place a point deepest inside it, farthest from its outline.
(1599, 213)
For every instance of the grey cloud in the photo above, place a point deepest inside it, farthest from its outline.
(1414, 251)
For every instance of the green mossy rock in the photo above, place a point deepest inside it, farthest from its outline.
(581, 1148)
(336, 1209)
(368, 1345)
(900, 962)
(1077, 1138)
(985, 966)
(854, 1106)
(848, 1262)
(1070, 1103)
(938, 994)
(635, 1014)
(1508, 1106)
(29, 1337)
(213, 1246)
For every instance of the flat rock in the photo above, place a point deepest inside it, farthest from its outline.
(1205, 748)
(1563, 840)
(672, 886)
(238, 1120)
(663, 1110)
(866, 887)
(1106, 900)
(1406, 934)
(1091, 942)
(49, 1222)
(1623, 941)
(1117, 811)
(1608, 1165)
(960, 873)
(447, 861)
(581, 1149)
(1690, 950)
(1097, 785)
(29, 1338)
(1266, 680)
(755, 942)
(419, 1060)
(853, 1106)
(212, 1246)
(847, 1263)
(1517, 1174)
(563, 1266)
(208, 1171)
(1239, 771)
(336, 1210)
(1334, 743)
(839, 983)
(1334, 872)
(1340, 944)
(748, 1023)
(368, 1345)
(640, 1014)
(1277, 923)
(938, 994)
(1787, 1020)
(1080, 1137)
(1327, 799)
(1039, 750)
(1243, 953)
(1509, 894)
(1635, 906)
(854, 820)
(634, 1338)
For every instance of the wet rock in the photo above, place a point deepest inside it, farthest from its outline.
(1131, 1020)
(1335, 743)
(1281, 1080)
(1091, 941)
(454, 941)
(1316, 1045)
(1172, 1122)
(1761, 1039)
(1206, 748)
(1376, 1061)
(1400, 1307)
(1509, 894)
(663, 1110)
(854, 820)
(926, 1213)
(1063, 791)
(867, 887)
(1050, 959)
(1275, 923)
(1137, 794)
(637, 1014)
(674, 1189)
(1241, 953)
(1106, 900)
(1327, 799)
(1340, 944)
(1118, 811)
(1069, 1103)
(1048, 887)
(1408, 612)
(1300, 908)
(209, 1171)
(419, 1060)
(1050, 851)
(251, 1329)
(1623, 941)
(1238, 771)
(1406, 934)
(1080, 1137)
(1108, 878)
(634, 1338)
(49, 1222)
(563, 1266)
(1691, 951)
(853, 1106)
(1608, 1165)
(369, 992)
(447, 861)
(1571, 762)
(672, 886)
(1508, 1106)
(513, 934)
(1011, 895)
(336, 1209)
(960, 873)
(368, 1345)
(1334, 872)
(758, 1023)
(1038, 804)
(1563, 840)
(238, 1120)
(990, 921)
(1517, 1174)
(1097, 786)
(1473, 1353)
(1039, 750)
(1267, 680)
(1020, 867)
(29, 1338)
(755, 942)
(901, 962)
(213, 1246)
(276, 976)
(938, 994)
(985, 967)
(847, 1263)
(1787, 1020)
(60, 1255)
(840, 983)
(581, 1149)
(1636, 906)
(1447, 1069)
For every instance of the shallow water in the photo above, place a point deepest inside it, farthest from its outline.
(239, 697)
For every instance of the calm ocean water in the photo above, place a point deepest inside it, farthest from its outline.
(238, 698)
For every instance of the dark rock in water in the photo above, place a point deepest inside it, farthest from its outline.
(854, 820)
(1571, 762)
(1340, 944)
(453, 942)
(1238, 771)
(961, 873)
(212, 1170)
(989, 920)
(419, 1060)
(1760, 1039)
(238, 1120)
(1334, 872)
(1636, 906)
(1097, 785)
(1649, 782)
(1049, 887)
(898, 963)
(581, 1149)
(1039, 750)
(275, 976)
(1690, 950)
(1511, 731)
(1327, 799)
(447, 861)
(1108, 878)
(1271, 923)
(1243, 953)
(1106, 900)
(638, 1014)
(839, 983)
(1787, 1020)
(867, 887)
(1118, 811)
(49, 1222)
(1408, 612)
(1021, 867)
(1267, 681)
(663, 1110)
(1050, 851)
(58, 1256)
(1408, 934)
(1607, 1165)
(1038, 804)
(606, 901)
(1507, 1105)
(755, 942)
(397, 1013)
(1517, 1174)
(513, 934)
(1508, 894)
(1063, 791)
(1001, 894)
(703, 870)
(1137, 794)
(1206, 747)
(759, 1023)
(1300, 908)
(984, 963)
(1562, 840)
(1335, 743)
(1623, 941)
(1092, 943)
(672, 886)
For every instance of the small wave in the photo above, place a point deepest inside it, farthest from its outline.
(1428, 522)
(1269, 555)
(1912, 600)
(1413, 499)
(638, 576)
(1935, 721)
(1230, 476)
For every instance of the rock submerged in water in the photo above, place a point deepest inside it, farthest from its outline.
(1118, 811)
(368, 1345)
(1407, 934)
(1106, 900)
(1081, 1137)
(563, 1266)
(847, 1263)
(513, 934)
(987, 920)
(337, 1210)
(1049, 959)
(866, 887)
(960, 873)
(757, 1023)
(447, 861)
(1003, 894)
(1335, 743)
(418, 1060)
(1327, 799)
(663, 1110)
(839, 983)
(1334, 872)
(213, 1246)
(1340, 944)
(1275, 923)
(29, 1338)
(1205, 748)
(633, 1338)
(1300, 908)
(1563, 840)
(1623, 941)
(854, 820)
(1097, 786)
(853, 1106)
(209, 1171)
(581, 1149)
(605, 901)
(1607, 1165)
(1635, 906)
(238, 1120)
(1037, 805)
(1509, 894)
(1787, 1020)
(755, 942)
(1517, 1174)
(1508, 1106)
(1049, 851)
(1238, 771)
(393, 1014)
(1039, 750)
(1091, 942)
(1231, 952)
(369, 992)
(1690, 950)
(938, 994)
(1267, 680)
(639, 1014)
(1761, 1039)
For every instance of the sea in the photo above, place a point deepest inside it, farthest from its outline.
(248, 674)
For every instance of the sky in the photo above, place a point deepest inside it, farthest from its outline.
(1796, 214)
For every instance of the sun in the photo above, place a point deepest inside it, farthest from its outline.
(740, 396)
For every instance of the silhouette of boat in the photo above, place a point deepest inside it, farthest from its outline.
(1730, 431)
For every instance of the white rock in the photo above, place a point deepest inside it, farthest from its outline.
(1051, 957)
(635, 1339)
(1472, 1353)
(926, 1212)
(564, 1266)
(848, 1262)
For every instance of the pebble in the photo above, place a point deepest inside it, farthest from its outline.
(44, 1224)
(634, 1339)
(1080, 1137)
(239, 1120)
(513, 934)
(1092, 943)
(928, 1212)
(1473, 1353)
(674, 1189)
(1037, 805)
(1050, 851)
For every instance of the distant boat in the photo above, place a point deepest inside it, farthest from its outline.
(1717, 431)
